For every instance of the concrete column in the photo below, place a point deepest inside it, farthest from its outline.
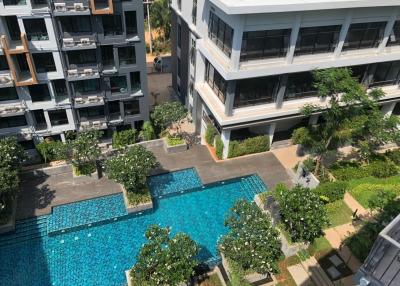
(387, 109)
(225, 137)
(343, 33)
(47, 118)
(313, 119)
(271, 132)
(281, 91)
(230, 97)
(62, 135)
(388, 30)
(293, 39)
(237, 42)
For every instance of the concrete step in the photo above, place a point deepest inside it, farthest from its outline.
(316, 273)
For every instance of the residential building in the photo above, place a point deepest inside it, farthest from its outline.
(71, 65)
(246, 66)
(382, 266)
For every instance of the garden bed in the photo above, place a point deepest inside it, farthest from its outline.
(338, 213)
(172, 147)
(137, 202)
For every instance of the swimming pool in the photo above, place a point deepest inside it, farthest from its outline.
(100, 254)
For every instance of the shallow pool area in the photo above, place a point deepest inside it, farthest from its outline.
(100, 253)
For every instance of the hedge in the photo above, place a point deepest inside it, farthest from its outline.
(252, 145)
(219, 147)
(210, 134)
(349, 170)
(333, 191)
(124, 138)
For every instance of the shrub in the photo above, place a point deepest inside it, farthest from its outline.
(86, 151)
(169, 113)
(9, 183)
(140, 197)
(382, 169)
(219, 147)
(346, 171)
(394, 156)
(252, 145)
(210, 134)
(84, 169)
(173, 141)
(309, 165)
(365, 193)
(252, 242)
(124, 138)
(147, 132)
(53, 150)
(302, 212)
(334, 191)
(11, 153)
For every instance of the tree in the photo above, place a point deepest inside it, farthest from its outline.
(86, 151)
(53, 150)
(160, 14)
(147, 132)
(124, 138)
(164, 260)
(11, 153)
(252, 242)
(9, 183)
(349, 106)
(131, 167)
(169, 113)
(302, 212)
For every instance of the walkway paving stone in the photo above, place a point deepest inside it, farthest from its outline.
(300, 276)
(355, 206)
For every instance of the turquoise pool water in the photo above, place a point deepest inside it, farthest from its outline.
(99, 255)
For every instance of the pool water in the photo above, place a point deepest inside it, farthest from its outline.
(99, 255)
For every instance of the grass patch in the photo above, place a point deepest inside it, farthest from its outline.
(319, 247)
(212, 280)
(137, 198)
(338, 213)
(174, 141)
(284, 277)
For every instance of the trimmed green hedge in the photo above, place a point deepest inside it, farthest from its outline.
(219, 147)
(333, 191)
(347, 171)
(210, 134)
(252, 145)
(124, 138)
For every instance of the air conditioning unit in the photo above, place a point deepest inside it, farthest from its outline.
(88, 72)
(96, 123)
(85, 41)
(79, 100)
(5, 79)
(93, 98)
(68, 42)
(123, 90)
(79, 7)
(72, 72)
(60, 7)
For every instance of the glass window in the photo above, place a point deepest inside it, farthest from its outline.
(179, 2)
(84, 57)
(40, 120)
(135, 81)
(364, 35)
(131, 107)
(358, 72)
(91, 113)
(179, 38)
(113, 107)
(394, 38)
(265, 44)
(13, 121)
(60, 87)
(131, 23)
(179, 68)
(220, 33)
(107, 55)
(3, 63)
(194, 12)
(216, 82)
(118, 84)
(58, 117)
(256, 91)
(44, 62)
(193, 52)
(13, 27)
(386, 74)
(14, 2)
(74, 24)
(300, 85)
(82, 87)
(127, 55)
(112, 25)
(39, 92)
(36, 30)
(317, 40)
(8, 93)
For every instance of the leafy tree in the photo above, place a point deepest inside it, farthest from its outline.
(381, 199)
(86, 150)
(253, 242)
(302, 212)
(164, 260)
(160, 14)
(53, 150)
(169, 113)
(124, 138)
(147, 132)
(11, 153)
(9, 183)
(131, 167)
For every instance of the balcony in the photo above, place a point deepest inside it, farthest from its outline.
(115, 118)
(42, 5)
(102, 7)
(98, 123)
(6, 79)
(70, 7)
(70, 42)
(12, 109)
(82, 73)
(92, 100)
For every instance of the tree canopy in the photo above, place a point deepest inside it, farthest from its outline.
(160, 16)
(85, 148)
(169, 113)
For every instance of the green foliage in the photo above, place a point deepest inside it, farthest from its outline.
(147, 132)
(9, 183)
(53, 150)
(382, 169)
(338, 213)
(84, 169)
(320, 245)
(380, 199)
(302, 212)
(334, 191)
(139, 197)
(174, 141)
(251, 145)
(219, 147)
(160, 13)
(210, 134)
(124, 138)
(303, 255)
(252, 241)
(131, 167)
(309, 165)
(163, 260)
(11, 153)
(237, 274)
(346, 171)
(85, 149)
(365, 193)
(169, 113)
(394, 156)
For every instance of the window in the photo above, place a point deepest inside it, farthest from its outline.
(220, 33)
(131, 23)
(396, 110)
(39, 92)
(3, 63)
(394, 38)
(364, 35)
(358, 72)
(81, 58)
(44, 62)
(83, 87)
(386, 74)
(216, 82)
(60, 87)
(194, 12)
(8, 93)
(13, 27)
(14, 2)
(58, 117)
(179, 68)
(36, 30)
(107, 55)
(179, 2)
(13, 121)
(40, 120)
(91, 113)
(300, 85)
(265, 44)
(135, 81)
(112, 25)
(118, 84)
(114, 107)
(191, 86)
(317, 40)
(131, 107)
(74, 24)
(256, 91)
(179, 38)
(127, 55)
(193, 53)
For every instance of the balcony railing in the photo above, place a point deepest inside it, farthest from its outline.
(73, 42)
(93, 123)
(12, 109)
(88, 101)
(83, 71)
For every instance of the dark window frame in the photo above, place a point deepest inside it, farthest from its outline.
(310, 40)
(216, 82)
(44, 62)
(364, 35)
(256, 91)
(220, 33)
(394, 38)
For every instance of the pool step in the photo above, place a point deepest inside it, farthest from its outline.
(252, 185)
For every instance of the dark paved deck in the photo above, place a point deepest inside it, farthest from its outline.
(266, 165)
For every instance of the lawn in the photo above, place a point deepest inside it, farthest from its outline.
(338, 213)
(319, 247)
(212, 280)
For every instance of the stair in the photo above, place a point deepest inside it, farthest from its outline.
(316, 273)
(25, 230)
(252, 185)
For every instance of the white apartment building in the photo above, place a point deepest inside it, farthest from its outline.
(246, 65)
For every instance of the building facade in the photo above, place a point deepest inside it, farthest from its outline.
(246, 66)
(70, 66)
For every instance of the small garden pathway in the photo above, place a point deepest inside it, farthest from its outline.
(356, 206)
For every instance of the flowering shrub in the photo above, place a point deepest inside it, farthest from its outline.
(302, 212)
(165, 261)
(252, 243)
(85, 151)
(11, 153)
(124, 138)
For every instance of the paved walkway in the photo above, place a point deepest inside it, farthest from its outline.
(288, 156)
(266, 165)
(356, 206)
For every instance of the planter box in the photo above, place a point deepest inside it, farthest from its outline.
(138, 208)
(128, 278)
(10, 225)
(84, 179)
(174, 149)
